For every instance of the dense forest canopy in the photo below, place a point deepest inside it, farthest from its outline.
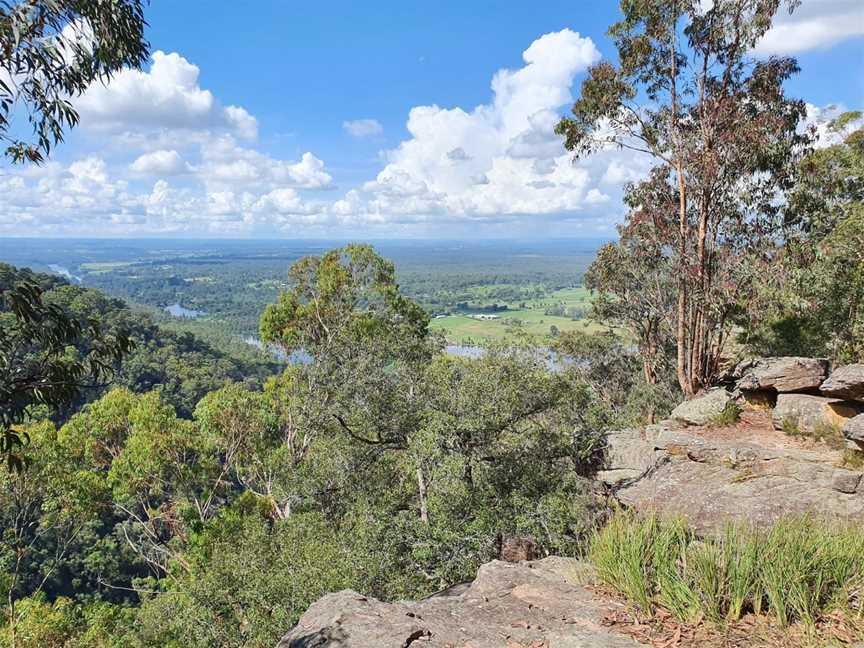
(379, 446)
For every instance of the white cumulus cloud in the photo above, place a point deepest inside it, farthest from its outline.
(159, 162)
(815, 24)
(167, 96)
(501, 157)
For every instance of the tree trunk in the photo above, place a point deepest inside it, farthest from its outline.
(421, 489)
(683, 227)
(681, 330)
(700, 338)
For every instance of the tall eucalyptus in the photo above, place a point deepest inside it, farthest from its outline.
(688, 92)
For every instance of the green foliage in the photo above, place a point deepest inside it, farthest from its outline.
(47, 355)
(799, 569)
(813, 304)
(853, 459)
(828, 433)
(790, 426)
(379, 463)
(633, 280)
(250, 581)
(348, 293)
(55, 50)
(66, 624)
(181, 366)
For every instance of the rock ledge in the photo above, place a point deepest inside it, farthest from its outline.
(528, 604)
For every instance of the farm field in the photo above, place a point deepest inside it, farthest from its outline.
(531, 316)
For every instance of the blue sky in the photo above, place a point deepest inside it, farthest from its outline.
(362, 119)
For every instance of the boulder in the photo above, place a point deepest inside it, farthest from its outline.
(853, 429)
(813, 413)
(702, 409)
(541, 603)
(845, 382)
(784, 374)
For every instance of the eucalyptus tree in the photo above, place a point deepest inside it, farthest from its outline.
(366, 347)
(53, 50)
(687, 91)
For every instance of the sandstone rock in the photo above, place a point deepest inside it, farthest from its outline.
(853, 429)
(628, 455)
(711, 481)
(785, 374)
(700, 410)
(845, 382)
(526, 604)
(811, 413)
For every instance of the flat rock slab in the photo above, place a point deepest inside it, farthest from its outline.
(784, 374)
(540, 603)
(845, 382)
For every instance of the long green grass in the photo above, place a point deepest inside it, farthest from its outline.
(798, 570)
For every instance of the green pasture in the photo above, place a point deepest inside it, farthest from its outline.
(460, 327)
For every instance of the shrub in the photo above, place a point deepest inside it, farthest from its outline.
(800, 569)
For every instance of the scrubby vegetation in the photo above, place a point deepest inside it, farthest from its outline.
(384, 464)
(799, 570)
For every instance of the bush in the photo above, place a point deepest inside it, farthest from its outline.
(798, 570)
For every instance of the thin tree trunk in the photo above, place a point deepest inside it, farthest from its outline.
(681, 330)
(683, 233)
(421, 489)
(699, 377)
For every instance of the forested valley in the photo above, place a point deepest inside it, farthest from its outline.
(166, 484)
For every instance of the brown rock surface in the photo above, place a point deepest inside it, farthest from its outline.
(853, 429)
(845, 382)
(542, 603)
(784, 374)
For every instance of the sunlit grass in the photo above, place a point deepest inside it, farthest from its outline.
(798, 570)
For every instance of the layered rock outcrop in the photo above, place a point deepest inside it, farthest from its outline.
(785, 457)
(845, 382)
(750, 473)
(783, 374)
(801, 394)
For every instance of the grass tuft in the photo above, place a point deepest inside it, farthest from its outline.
(853, 459)
(799, 570)
(728, 417)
